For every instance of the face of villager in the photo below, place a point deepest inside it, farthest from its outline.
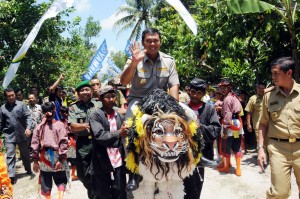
(225, 90)
(19, 96)
(279, 77)
(196, 95)
(85, 94)
(152, 44)
(10, 97)
(109, 100)
(95, 85)
(31, 99)
(260, 90)
(168, 140)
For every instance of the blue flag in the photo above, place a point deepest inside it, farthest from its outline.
(113, 66)
(96, 62)
(127, 48)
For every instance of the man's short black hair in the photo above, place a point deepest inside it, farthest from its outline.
(261, 83)
(150, 31)
(64, 109)
(48, 107)
(284, 63)
(8, 90)
(198, 84)
(18, 90)
(59, 87)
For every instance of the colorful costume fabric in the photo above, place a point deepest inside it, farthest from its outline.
(5, 184)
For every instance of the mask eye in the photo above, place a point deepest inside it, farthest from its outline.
(159, 132)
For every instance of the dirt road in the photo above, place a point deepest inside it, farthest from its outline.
(251, 185)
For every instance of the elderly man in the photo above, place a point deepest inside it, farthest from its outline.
(95, 85)
(108, 129)
(15, 122)
(78, 119)
(279, 123)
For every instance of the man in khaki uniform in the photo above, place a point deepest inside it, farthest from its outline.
(253, 109)
(78, 119)
(280, 123)
(149, 69)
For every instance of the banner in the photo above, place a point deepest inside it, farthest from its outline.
(56, 7)
(186, 16)
(113, 66)
(96, 63)
(127, 48)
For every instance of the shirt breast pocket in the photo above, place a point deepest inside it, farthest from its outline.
(275, 112)
(163, 76)
(81, 117)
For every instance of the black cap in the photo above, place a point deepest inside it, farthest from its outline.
(198, 84)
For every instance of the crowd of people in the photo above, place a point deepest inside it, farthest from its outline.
(79, 134)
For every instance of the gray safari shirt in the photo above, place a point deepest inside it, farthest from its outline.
(148, 76)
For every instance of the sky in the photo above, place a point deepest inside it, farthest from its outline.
(104, 12)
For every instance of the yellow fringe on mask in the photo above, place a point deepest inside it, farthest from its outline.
(193, 127)
(130, 163)
(197, 160)
(129, 122)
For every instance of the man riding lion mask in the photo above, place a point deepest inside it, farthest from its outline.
(163, 145)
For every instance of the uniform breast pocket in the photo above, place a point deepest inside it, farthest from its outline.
(143, 78)
(163, 76)
(275, 112)
(81, 117)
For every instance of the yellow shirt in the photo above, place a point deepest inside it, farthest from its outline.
(254, 106)
(281, 113)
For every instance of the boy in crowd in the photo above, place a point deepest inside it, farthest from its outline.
(49, 148)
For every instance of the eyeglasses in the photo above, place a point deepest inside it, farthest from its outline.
(95, 84)
(150, 41)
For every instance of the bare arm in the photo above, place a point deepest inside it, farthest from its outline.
(262, 133)
(77, 127)
(174, 92)
(249, 127)
(54, 86)
(137, 56)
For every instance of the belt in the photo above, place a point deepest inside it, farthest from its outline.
(291, 140)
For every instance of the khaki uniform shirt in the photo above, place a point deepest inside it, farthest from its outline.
(149, 76)
(80, 112)
(254, 106)
(120, 99)
(282, 113)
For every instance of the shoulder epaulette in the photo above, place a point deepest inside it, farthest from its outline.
(266, 90)
(74, 102)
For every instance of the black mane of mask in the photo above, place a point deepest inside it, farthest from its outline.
(160, 100)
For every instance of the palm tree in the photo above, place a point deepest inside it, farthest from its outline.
(137, 16)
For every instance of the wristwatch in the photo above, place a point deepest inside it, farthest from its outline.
(260, 146)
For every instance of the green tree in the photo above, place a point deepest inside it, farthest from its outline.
(51, 53)
(288, 11)
(119, 58)
(137, 15)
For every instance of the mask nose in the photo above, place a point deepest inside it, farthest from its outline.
(170, 140)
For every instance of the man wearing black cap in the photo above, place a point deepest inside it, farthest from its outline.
(210, 128)
(79, 115)
(108, 129)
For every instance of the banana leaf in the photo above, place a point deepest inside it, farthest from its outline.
(248, 6)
